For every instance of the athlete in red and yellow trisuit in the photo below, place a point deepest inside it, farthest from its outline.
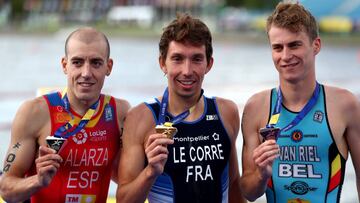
(90, 121)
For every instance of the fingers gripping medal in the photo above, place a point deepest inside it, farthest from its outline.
(166, 129)
(72, 126)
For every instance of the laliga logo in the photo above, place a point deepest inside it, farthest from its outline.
(80, 137)
(98, 133)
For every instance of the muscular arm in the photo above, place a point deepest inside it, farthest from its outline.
(22, 153)
(257, 157)
(344, 116)
(122, 107)
(136, 179)
(352, 133)
(230, 116)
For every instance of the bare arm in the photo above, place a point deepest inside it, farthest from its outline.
(122, 107)
(344, 116)
(352, 133)
(22, 154)
(230, 115)
(257, 157)
(136, 179)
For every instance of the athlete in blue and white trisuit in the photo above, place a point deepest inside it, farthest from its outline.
(200, 163)
(319, 123)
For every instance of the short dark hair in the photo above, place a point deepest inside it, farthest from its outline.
(88, 34)
(186, 29)
(294, 17)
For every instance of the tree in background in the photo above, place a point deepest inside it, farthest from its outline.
(17, 10)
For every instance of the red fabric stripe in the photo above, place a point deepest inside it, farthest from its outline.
(270, 184)
(335, 181)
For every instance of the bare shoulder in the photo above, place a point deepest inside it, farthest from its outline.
(122, 106)
(26, 114)
(341, 99)
(226, 105)
(122, 102)
(343, 111)
(258, 100)
(139, 122)
(230, 116)
(140, 111)
(34, 107)
(256, 112)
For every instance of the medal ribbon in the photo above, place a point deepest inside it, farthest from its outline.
(72, 127)
(178, 118)
(276, 113)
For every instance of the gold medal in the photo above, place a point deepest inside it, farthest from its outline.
(166, 129)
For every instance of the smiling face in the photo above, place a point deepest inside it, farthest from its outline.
(293, 54)
(185, 66)
(86, 64)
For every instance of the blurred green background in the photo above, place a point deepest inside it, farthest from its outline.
(335, 17)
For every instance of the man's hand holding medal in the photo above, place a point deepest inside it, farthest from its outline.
(166, 129)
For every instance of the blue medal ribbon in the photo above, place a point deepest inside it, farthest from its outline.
(178, 118)
(71, 128)
(276, 113)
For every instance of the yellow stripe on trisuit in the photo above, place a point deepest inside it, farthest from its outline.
(63, 93)
(95, 119)
(76, 120)
(335, 165)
